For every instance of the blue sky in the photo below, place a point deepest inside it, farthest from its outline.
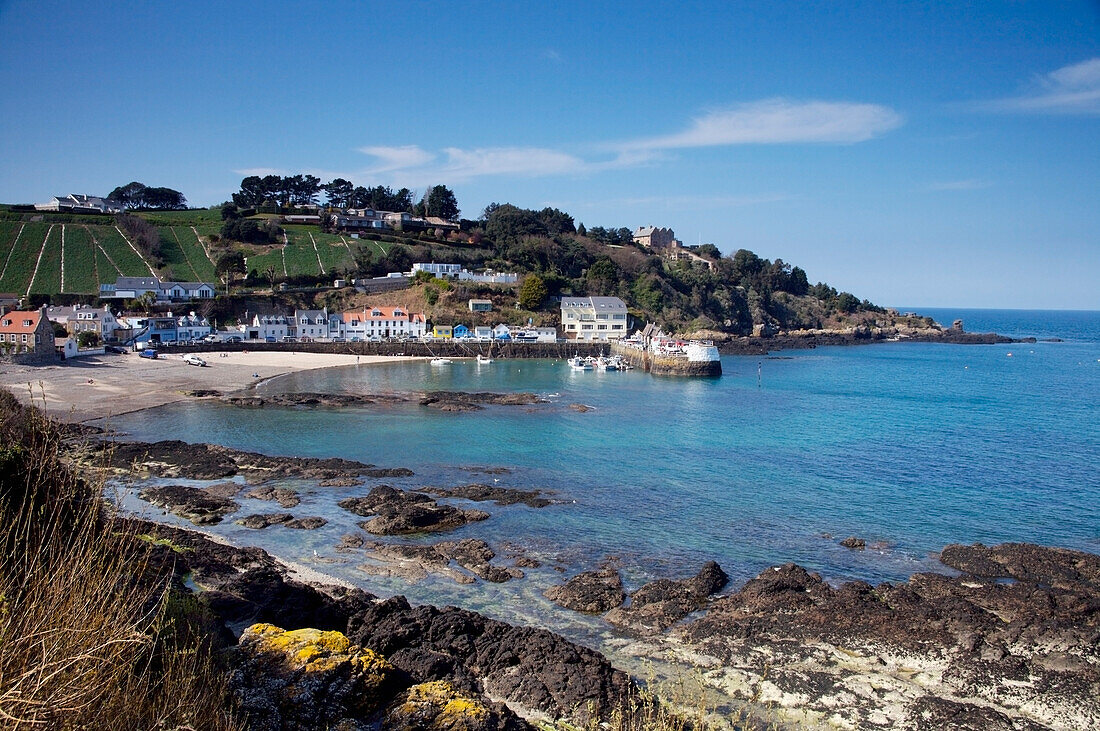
(935, 154)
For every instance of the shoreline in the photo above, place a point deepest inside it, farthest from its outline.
(102, 386)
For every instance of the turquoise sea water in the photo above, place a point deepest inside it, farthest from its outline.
(912, 446)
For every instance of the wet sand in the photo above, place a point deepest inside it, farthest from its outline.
(106, 385)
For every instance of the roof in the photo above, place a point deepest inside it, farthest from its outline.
(387, 313)
(12, 322)
(596, 303)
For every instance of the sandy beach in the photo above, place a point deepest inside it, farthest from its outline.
(106, 385)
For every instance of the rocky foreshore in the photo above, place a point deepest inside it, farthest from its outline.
(807, 339)
(1010, 641)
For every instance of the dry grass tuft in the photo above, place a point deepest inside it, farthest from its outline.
(94, 633)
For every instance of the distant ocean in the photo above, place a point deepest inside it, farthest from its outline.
(909, 446)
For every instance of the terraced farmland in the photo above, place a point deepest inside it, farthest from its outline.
(79, 262)
(47, 278)
(176, 264)
(24, 255)
(196, 254)
(124, 257)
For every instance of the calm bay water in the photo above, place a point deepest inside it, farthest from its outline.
(910, 445)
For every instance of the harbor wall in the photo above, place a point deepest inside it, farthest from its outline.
(666, 365)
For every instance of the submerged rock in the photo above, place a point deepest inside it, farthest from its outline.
(462, 401)
(192, 503)
(593, 592)
(480, 492)
(286, 497)
(854, 543)
(397, 512)
(311, 523)
(261, 521)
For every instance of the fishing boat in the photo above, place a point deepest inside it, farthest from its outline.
(578, 363)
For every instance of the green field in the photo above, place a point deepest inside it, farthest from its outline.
(196, 254)
(48, 278)
(96, 252)
(177, 266)
(80, 261)
(24, 254)
(120, 252)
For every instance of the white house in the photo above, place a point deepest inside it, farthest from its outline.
(270, 326)
(439, 270)
(483, 332)
(66, 347)
(312, 324)
(593, 318)
(192, 327)
(135, 287)
(76, 203)
(502, 331)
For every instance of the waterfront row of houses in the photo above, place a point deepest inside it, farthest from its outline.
(132, 288)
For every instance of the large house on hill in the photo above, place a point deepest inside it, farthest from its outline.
(76, 203)
(593, 318)
(134, 287)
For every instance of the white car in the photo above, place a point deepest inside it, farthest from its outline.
(192, 359)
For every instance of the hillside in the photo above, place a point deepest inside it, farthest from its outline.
(66, 257)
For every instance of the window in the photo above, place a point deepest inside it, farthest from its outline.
(603, 327)
(601, 317)
(586, 327)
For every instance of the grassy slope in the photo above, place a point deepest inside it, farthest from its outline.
(177, 264)
(24, 254)
(80, 261)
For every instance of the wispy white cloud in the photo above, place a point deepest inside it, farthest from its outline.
(1073, 89)
(969, 184)
(780, 121)
(773, 121)
(397, 158)
(552, 55)
(686, 202)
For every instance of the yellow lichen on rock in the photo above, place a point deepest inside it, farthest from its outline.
(437, 706)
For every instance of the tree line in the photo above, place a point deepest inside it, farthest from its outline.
(137, 195)
(305, 190)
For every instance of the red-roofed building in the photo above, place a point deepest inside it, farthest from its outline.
(372, 323)
(26, 331)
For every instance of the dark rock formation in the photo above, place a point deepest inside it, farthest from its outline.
(594, 592)
(171, 458)
(660, 604)
(311, 523)
(307, 679)
(528, 668)
(479, 492)
(856, 544)
(532, 668)
(437, 705)
(398, 512)
(224, 489)
(1014, 642)
(261, 521)
(580, 408)
(389, 472)
(460, 401)
(414, 562)
(286, 497)
(192, 503)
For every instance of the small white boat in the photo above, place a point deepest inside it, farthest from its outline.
(483, 359)
(441, 361)
(578, 363)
